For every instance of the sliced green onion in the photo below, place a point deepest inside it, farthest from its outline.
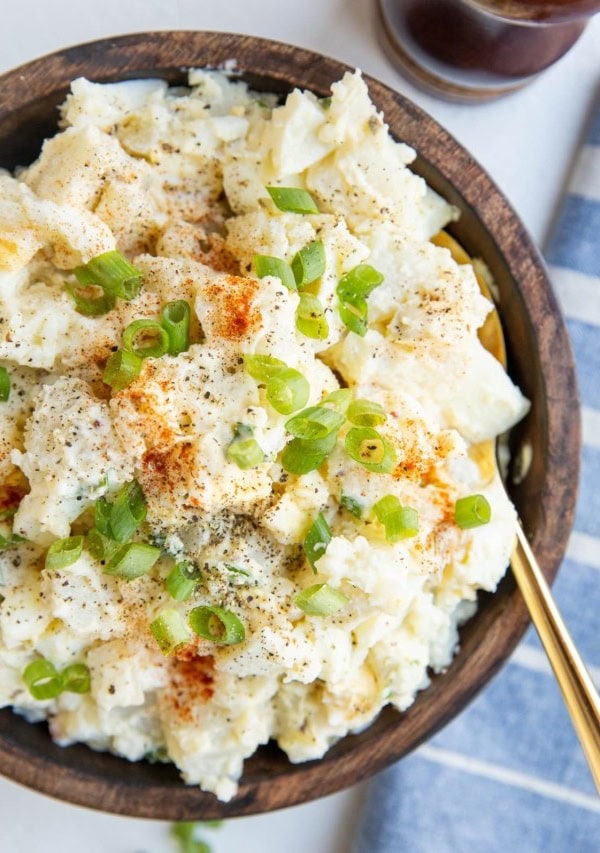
(367, 446)
(358, 283)
(146, 329)
(217, 624)
(352, 290)
(400, 522)
(338, 400)
(102, 511)
(175, 319)
(309, 263)
(263, 367)
(320, 600)
(236, 570)
(91, 306)
(310, 318)
(182, 581)
(170, 631)
(8, 538)
(113, 273)
(42, 679)
(127, 512)
(355, 315)
(76, 678)
(292, 199)
(101, 547)
(4, 385)
(10, 541)
(122, 368)
(314, 423)
(132, 560)
(63, 553)
(185, 834)
(244, 450)
(300, 457)
(316, 540)
(288, 391)
(325, 103)
(265, 265)
(352, 505)
(472, 511)
(366, 413)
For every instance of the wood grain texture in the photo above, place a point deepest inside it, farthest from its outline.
(540, 361)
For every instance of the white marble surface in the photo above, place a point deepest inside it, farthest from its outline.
(525, 141)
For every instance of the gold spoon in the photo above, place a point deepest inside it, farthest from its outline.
(578, 690)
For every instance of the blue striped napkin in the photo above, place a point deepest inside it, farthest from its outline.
(508, 774)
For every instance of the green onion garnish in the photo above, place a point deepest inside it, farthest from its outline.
(184, 832)
(300, 457)
(338, 400)
(170, 631)
(150, 331)
(358, 283)
(316, 540)
(367, 446)
(102, 511)
(132, 560)
(400, 522)
(127, 512)
(366, 413)
(314, 423)
(292, 199)
(113, 273)
(182, 581)
(309, 263)
(325, 103)
(4, 385)
(10, 541)
(355, 315)
(101, 547)
(310, 317)
(320, 600)
(472, 511)
(287, 391)
(244, 450)
(63, 553)
(217, 624)
(352, 290)
(91, 306)
(76, 678)
(265, 265)
(42, 679)
(352, 505)
(263, 367)
(122, 368)
(175, 319)
(45, 682)
(236, 570)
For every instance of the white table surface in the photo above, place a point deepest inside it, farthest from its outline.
(525, 141)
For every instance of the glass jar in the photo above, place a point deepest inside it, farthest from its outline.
(480, 49)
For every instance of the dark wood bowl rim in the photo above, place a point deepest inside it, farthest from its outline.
(78, 775)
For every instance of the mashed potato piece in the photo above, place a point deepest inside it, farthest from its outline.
(175, 180)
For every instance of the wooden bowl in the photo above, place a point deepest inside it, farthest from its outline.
(540, 362)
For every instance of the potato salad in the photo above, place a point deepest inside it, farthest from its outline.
(242, 406)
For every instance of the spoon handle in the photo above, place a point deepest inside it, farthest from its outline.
(579, 693)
